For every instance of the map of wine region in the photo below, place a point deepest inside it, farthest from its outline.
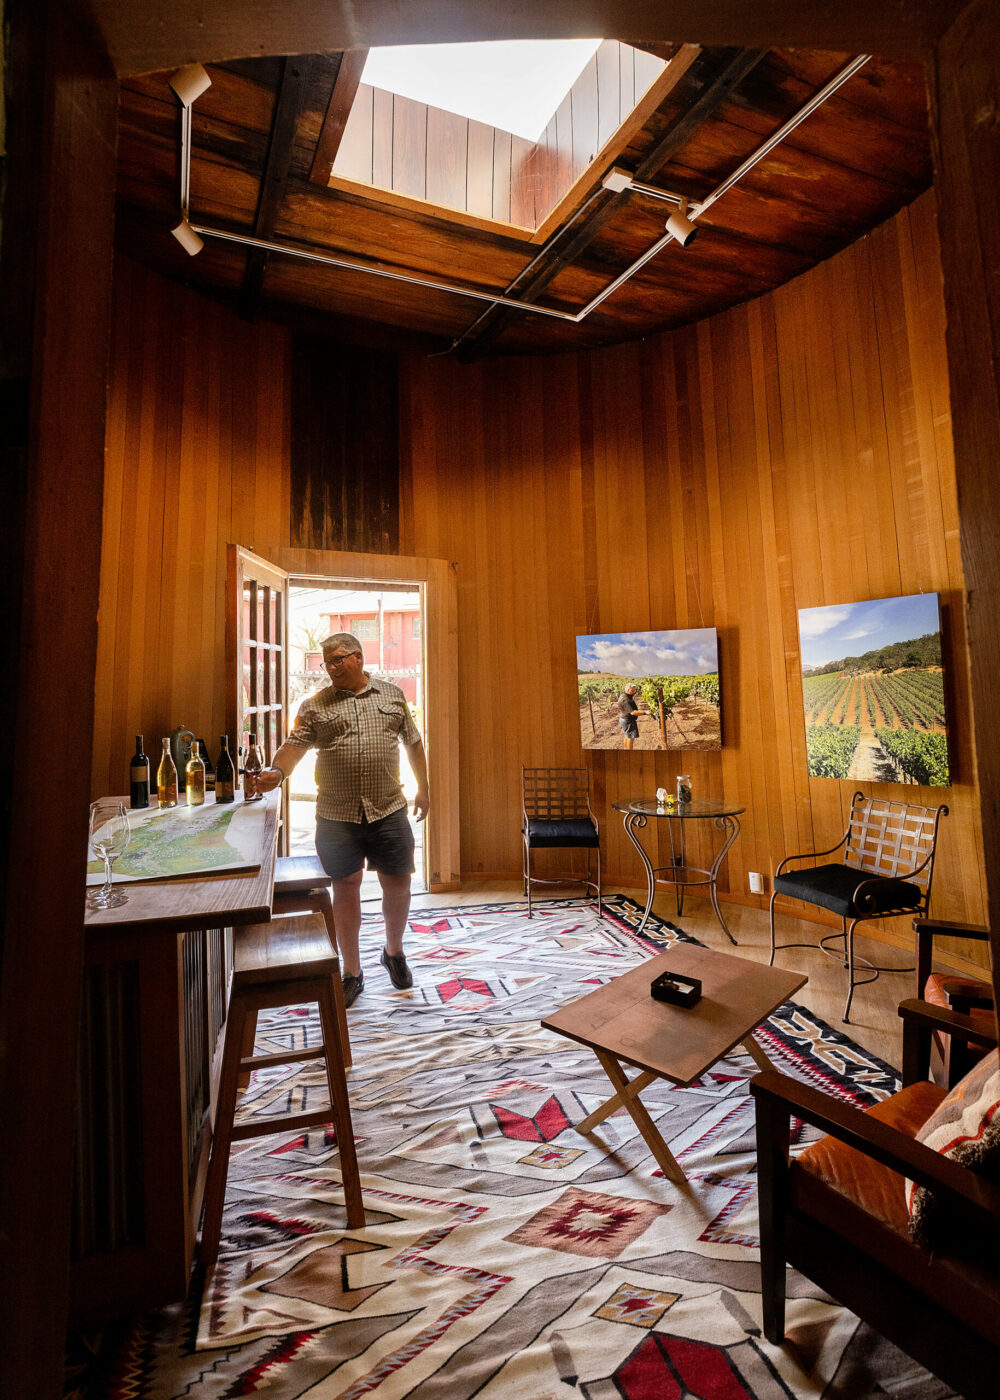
(187, 841)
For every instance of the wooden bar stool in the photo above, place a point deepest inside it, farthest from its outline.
(281, 963)
(300, 884)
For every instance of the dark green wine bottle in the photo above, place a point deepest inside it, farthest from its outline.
(225, 774)
(138, 777)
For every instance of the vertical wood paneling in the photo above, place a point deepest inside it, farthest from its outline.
(609, 87)
(448, 158)
(791, 453)
(409, 147)
(354, 154)
(382, 139)
(197, 455)
(788, 454)
(344, 448)
(480, 170)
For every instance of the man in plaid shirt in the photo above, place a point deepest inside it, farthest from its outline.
(356, 725)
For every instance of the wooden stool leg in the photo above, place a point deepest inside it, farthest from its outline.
(222, 1135)
(247, 1045)
(341, 1106)
(324, 906)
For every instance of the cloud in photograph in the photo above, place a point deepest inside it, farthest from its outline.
(849, 629)
(686, 652)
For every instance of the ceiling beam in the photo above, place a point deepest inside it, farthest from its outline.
(288, 104)
(345, 89)
(568, 242)
(162, 34)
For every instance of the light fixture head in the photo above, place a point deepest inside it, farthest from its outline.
(680, 227)
(187, 238)
(189, 83)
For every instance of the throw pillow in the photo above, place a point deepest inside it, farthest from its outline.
(965, 1126)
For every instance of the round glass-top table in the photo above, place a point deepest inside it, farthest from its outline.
(724, 816)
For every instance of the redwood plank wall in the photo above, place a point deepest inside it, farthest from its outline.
(790, 453)
(197, 456)
(794, 452)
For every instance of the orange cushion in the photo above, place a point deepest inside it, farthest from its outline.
(934, 993)
(876, 1189)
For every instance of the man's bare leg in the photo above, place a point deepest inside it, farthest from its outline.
(347, 917)
(395, 908)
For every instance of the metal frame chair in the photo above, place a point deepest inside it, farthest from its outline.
(885, 873)
(556, 812)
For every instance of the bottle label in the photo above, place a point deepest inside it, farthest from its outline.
(140, 772)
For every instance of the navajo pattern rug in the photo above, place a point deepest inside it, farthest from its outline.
(507, 1257)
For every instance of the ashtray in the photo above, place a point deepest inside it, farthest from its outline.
(675, 988)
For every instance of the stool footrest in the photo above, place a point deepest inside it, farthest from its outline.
(285, 1057)
(285, 1123)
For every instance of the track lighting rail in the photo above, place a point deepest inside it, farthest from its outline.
(188, 84)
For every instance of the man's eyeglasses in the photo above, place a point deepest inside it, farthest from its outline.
(337, 660)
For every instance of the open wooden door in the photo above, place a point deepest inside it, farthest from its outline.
(256, 657)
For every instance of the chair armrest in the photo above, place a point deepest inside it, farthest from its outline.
(920, 1019)
(948, 928)
(972, 1197)
(810, 855)
(961, 999)
(940, 1018)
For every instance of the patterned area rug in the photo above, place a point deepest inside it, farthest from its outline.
(507, 1257)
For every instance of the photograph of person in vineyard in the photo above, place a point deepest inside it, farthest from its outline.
(628, 710)
(649, 690)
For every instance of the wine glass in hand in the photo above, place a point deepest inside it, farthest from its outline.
(109, 836)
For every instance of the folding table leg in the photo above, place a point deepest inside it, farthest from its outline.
(665, 1159)
(616, 1101)
(756, 1053)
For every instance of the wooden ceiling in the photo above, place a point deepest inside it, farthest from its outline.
(255, 171)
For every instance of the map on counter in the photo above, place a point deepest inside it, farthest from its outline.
(188, 841)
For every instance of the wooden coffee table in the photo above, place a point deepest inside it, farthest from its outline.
(624, 1025)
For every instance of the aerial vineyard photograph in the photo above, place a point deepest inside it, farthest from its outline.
(877, 714)
(649, 690)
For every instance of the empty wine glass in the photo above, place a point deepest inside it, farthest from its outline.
(109, 835)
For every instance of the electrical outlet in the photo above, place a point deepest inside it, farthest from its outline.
(756, 882)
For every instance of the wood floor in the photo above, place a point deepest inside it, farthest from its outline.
(874, 1022)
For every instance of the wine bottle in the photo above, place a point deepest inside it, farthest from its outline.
(252, 765)
(206, 758)
(139, 777)
(166, 778)
(225, 776)
(194, 778)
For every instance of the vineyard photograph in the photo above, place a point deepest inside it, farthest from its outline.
(875, 713)
(649, 690)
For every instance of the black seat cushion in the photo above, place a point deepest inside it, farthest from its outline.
(833, 886)
(569, 831)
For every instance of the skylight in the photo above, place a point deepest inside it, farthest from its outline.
(515, 85)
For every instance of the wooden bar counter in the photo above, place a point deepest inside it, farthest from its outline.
(155, 994)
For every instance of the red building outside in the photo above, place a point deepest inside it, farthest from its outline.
(390, 637)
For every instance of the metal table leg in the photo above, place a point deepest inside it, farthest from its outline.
(633, 820)
(732, 826)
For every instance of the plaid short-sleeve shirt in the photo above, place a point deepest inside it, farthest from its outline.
(357, 738)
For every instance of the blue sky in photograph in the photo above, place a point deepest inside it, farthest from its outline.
(850, 629)
(691, 652)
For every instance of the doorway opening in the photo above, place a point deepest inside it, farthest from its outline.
(388, 620)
